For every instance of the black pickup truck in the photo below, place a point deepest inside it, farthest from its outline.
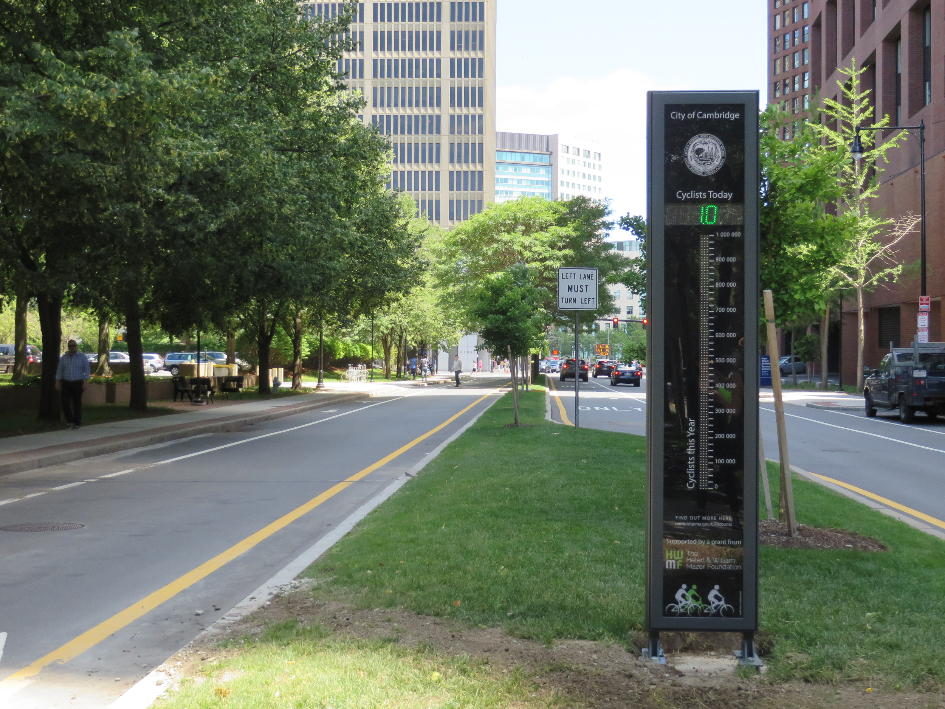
(909, 379)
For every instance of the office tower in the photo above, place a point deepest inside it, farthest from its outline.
(789, 54)
(427, 72)
(900, 45)
(549, 166)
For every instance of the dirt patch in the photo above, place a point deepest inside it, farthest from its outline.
(773, 533)
(518, 425)
(590, 675)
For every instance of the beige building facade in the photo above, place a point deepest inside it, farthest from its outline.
(427, 72)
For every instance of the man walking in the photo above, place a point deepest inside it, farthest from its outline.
(457, 367)
(71, 376)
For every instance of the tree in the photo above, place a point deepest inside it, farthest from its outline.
(869, 254)
(532, 231)
(634, 274)
(801, 240)
(507, 310)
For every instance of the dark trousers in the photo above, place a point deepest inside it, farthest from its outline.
(71, 393)
(456, 372)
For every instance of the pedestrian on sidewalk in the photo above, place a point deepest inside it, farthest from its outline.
(71, 375)
(413, 367)
(457, 367)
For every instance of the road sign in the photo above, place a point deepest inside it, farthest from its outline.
(603, 350)
(925, 302)
(923, 320)
(577, 289)
(703, 364)
(923, 334)
(555, 352)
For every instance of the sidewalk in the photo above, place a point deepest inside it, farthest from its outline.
(39, 450)
(813, 399)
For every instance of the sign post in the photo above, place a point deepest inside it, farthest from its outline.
(577, 291)
(702, 401)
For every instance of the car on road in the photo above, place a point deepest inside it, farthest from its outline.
(784, 364)
(569, 370)
(910, 380)
(626, 374)
(603, 367)
(152, 361)
(173, 360)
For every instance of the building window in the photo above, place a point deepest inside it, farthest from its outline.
(805, 8)
(806, 102)
(777, 22)
(797, 37)
(899, 81)
(629, 310)
(616, 294)
(927, 59)
(777, 67)
(806, 55)
(797, 14)
(787, 40)
(807, 33)
(787, 86)
(806, 79)
(777, 44)
(797, 60)
(794, 104)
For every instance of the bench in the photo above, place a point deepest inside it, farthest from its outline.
(231, 385)
(182, 388)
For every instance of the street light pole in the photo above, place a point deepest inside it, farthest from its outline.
(856, 151)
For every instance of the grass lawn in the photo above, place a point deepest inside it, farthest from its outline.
(540, 530)
(20, 422)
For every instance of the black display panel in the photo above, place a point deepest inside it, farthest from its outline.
(702, 392)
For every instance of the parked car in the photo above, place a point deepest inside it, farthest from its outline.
(173, 360)
(784, 364)
(152, 361)
(901, 383)
(603, 367)
(626, 374)
(569, 370)
(33, 354)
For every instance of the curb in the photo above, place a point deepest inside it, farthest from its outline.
(148, 689)
(69, 452)
(834, 407)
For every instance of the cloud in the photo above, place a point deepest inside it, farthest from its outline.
(610, 110)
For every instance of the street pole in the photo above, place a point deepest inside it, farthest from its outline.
(577, 368)
(372, 347)
(321, 354)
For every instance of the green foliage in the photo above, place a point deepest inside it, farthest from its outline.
(800, 240)
(507, 309)
(807, 347)
(532, 231)
(634, 273)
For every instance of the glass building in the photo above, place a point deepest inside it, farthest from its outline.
(549, 166)
(427, 72)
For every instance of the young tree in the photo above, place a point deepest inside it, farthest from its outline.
(869, 255)
(507, 309)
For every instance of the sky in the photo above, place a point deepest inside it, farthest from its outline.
(584, 68)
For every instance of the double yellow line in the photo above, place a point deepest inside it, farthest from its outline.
(95, 635)
(564, 414)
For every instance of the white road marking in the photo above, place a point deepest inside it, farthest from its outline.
(208, 450)
(887, 422)
(68, 485)
(865, 433)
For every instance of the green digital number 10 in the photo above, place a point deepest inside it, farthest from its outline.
(709, 214)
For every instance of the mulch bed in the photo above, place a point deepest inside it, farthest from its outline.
(773, 533)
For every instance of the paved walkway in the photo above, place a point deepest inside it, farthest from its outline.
(38, 450)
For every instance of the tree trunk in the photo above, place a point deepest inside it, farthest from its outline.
(102, 369)
(824, 338)
(387, 344)
(297, 352)
(514, 387)
(139, 388)
(860, 338)
(20, 332)
(50, 320)
(230, 343)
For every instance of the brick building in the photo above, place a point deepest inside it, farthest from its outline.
(902, 45)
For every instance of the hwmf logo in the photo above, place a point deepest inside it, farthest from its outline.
(674, 559)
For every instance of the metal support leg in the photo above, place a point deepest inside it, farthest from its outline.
(747, 655)
(653, 652)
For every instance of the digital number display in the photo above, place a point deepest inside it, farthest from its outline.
(704, 214)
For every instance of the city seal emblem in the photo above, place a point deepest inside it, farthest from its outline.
(704, 154)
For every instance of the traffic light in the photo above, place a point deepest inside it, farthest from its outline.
(645, 321)
(616, 322)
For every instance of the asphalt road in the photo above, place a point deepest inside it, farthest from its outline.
(150, 530)
(902, 463)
